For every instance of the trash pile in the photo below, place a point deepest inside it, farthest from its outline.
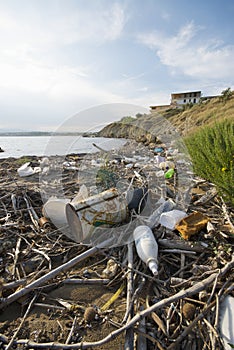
(126, 250)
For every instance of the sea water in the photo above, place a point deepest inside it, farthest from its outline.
(18, 146)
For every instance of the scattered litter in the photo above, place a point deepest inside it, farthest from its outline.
(159, 159)
(227, 321)
(164, 206)
(169, 174)
(160, 173)
(65, 290)
(44, 222)
(191, 224)
(111, 269)
(70, 165)
(167, 165)
(54, 209)
(170, 218)
(44, 162)
(27, 170)
(106, 208)
(147, 247)
(158, 150)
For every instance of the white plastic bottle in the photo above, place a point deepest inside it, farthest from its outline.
(147, 247)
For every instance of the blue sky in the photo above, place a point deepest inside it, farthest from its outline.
(62, 57)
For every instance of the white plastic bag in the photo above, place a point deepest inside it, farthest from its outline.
(27, 170)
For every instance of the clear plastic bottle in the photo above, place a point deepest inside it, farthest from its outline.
(153, 220)
(147, 247)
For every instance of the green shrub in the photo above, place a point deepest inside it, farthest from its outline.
(127, 120)
(187, 106)
(212, 153)
(22, 160)
(226, 95)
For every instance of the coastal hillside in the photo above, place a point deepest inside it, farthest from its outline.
(145, 128)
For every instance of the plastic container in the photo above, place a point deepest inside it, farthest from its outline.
(147, 247)
(167, 165)
(191, 224)
(158, 150)
(226, 321)
(169, 174)
(54, 209)
(104, 209)
(159, 159)
(165, 206)
(170, 218)
(27, 170)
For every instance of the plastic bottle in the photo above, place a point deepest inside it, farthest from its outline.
(165, 206)
(147, 247)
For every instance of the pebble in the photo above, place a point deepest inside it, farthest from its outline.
(188, 311)
(89, 314)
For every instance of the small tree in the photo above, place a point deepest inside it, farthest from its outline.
(226, 95)
(138, 115)
(127, 120)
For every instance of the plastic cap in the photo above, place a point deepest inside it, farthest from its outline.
(153, 266)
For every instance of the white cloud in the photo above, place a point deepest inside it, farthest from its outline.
(32, 44)
(191, 53)
(85, 25)
(96, 25)
(32, 47)
(127, 77)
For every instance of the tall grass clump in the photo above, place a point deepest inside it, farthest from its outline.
(212, 153)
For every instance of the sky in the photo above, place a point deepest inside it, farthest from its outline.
(64, 58)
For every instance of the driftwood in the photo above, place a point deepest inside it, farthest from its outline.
(192, 324)
(91, 281)
(180, 295)
(129, 337)
(183, 245)
(21, 323)
(195, 274)
(47, 277)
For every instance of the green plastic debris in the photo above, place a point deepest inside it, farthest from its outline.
(169, 174)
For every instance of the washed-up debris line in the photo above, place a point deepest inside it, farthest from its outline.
(56, 293)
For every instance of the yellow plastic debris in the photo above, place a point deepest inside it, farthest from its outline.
(113, 298)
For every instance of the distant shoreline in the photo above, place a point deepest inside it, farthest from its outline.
(47, 145)
(46, 133)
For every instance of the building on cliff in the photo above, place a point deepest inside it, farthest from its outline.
(179, 99)
(182, 98)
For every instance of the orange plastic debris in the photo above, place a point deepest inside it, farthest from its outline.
(191, 224)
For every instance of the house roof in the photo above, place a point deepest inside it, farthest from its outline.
(184, 92)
